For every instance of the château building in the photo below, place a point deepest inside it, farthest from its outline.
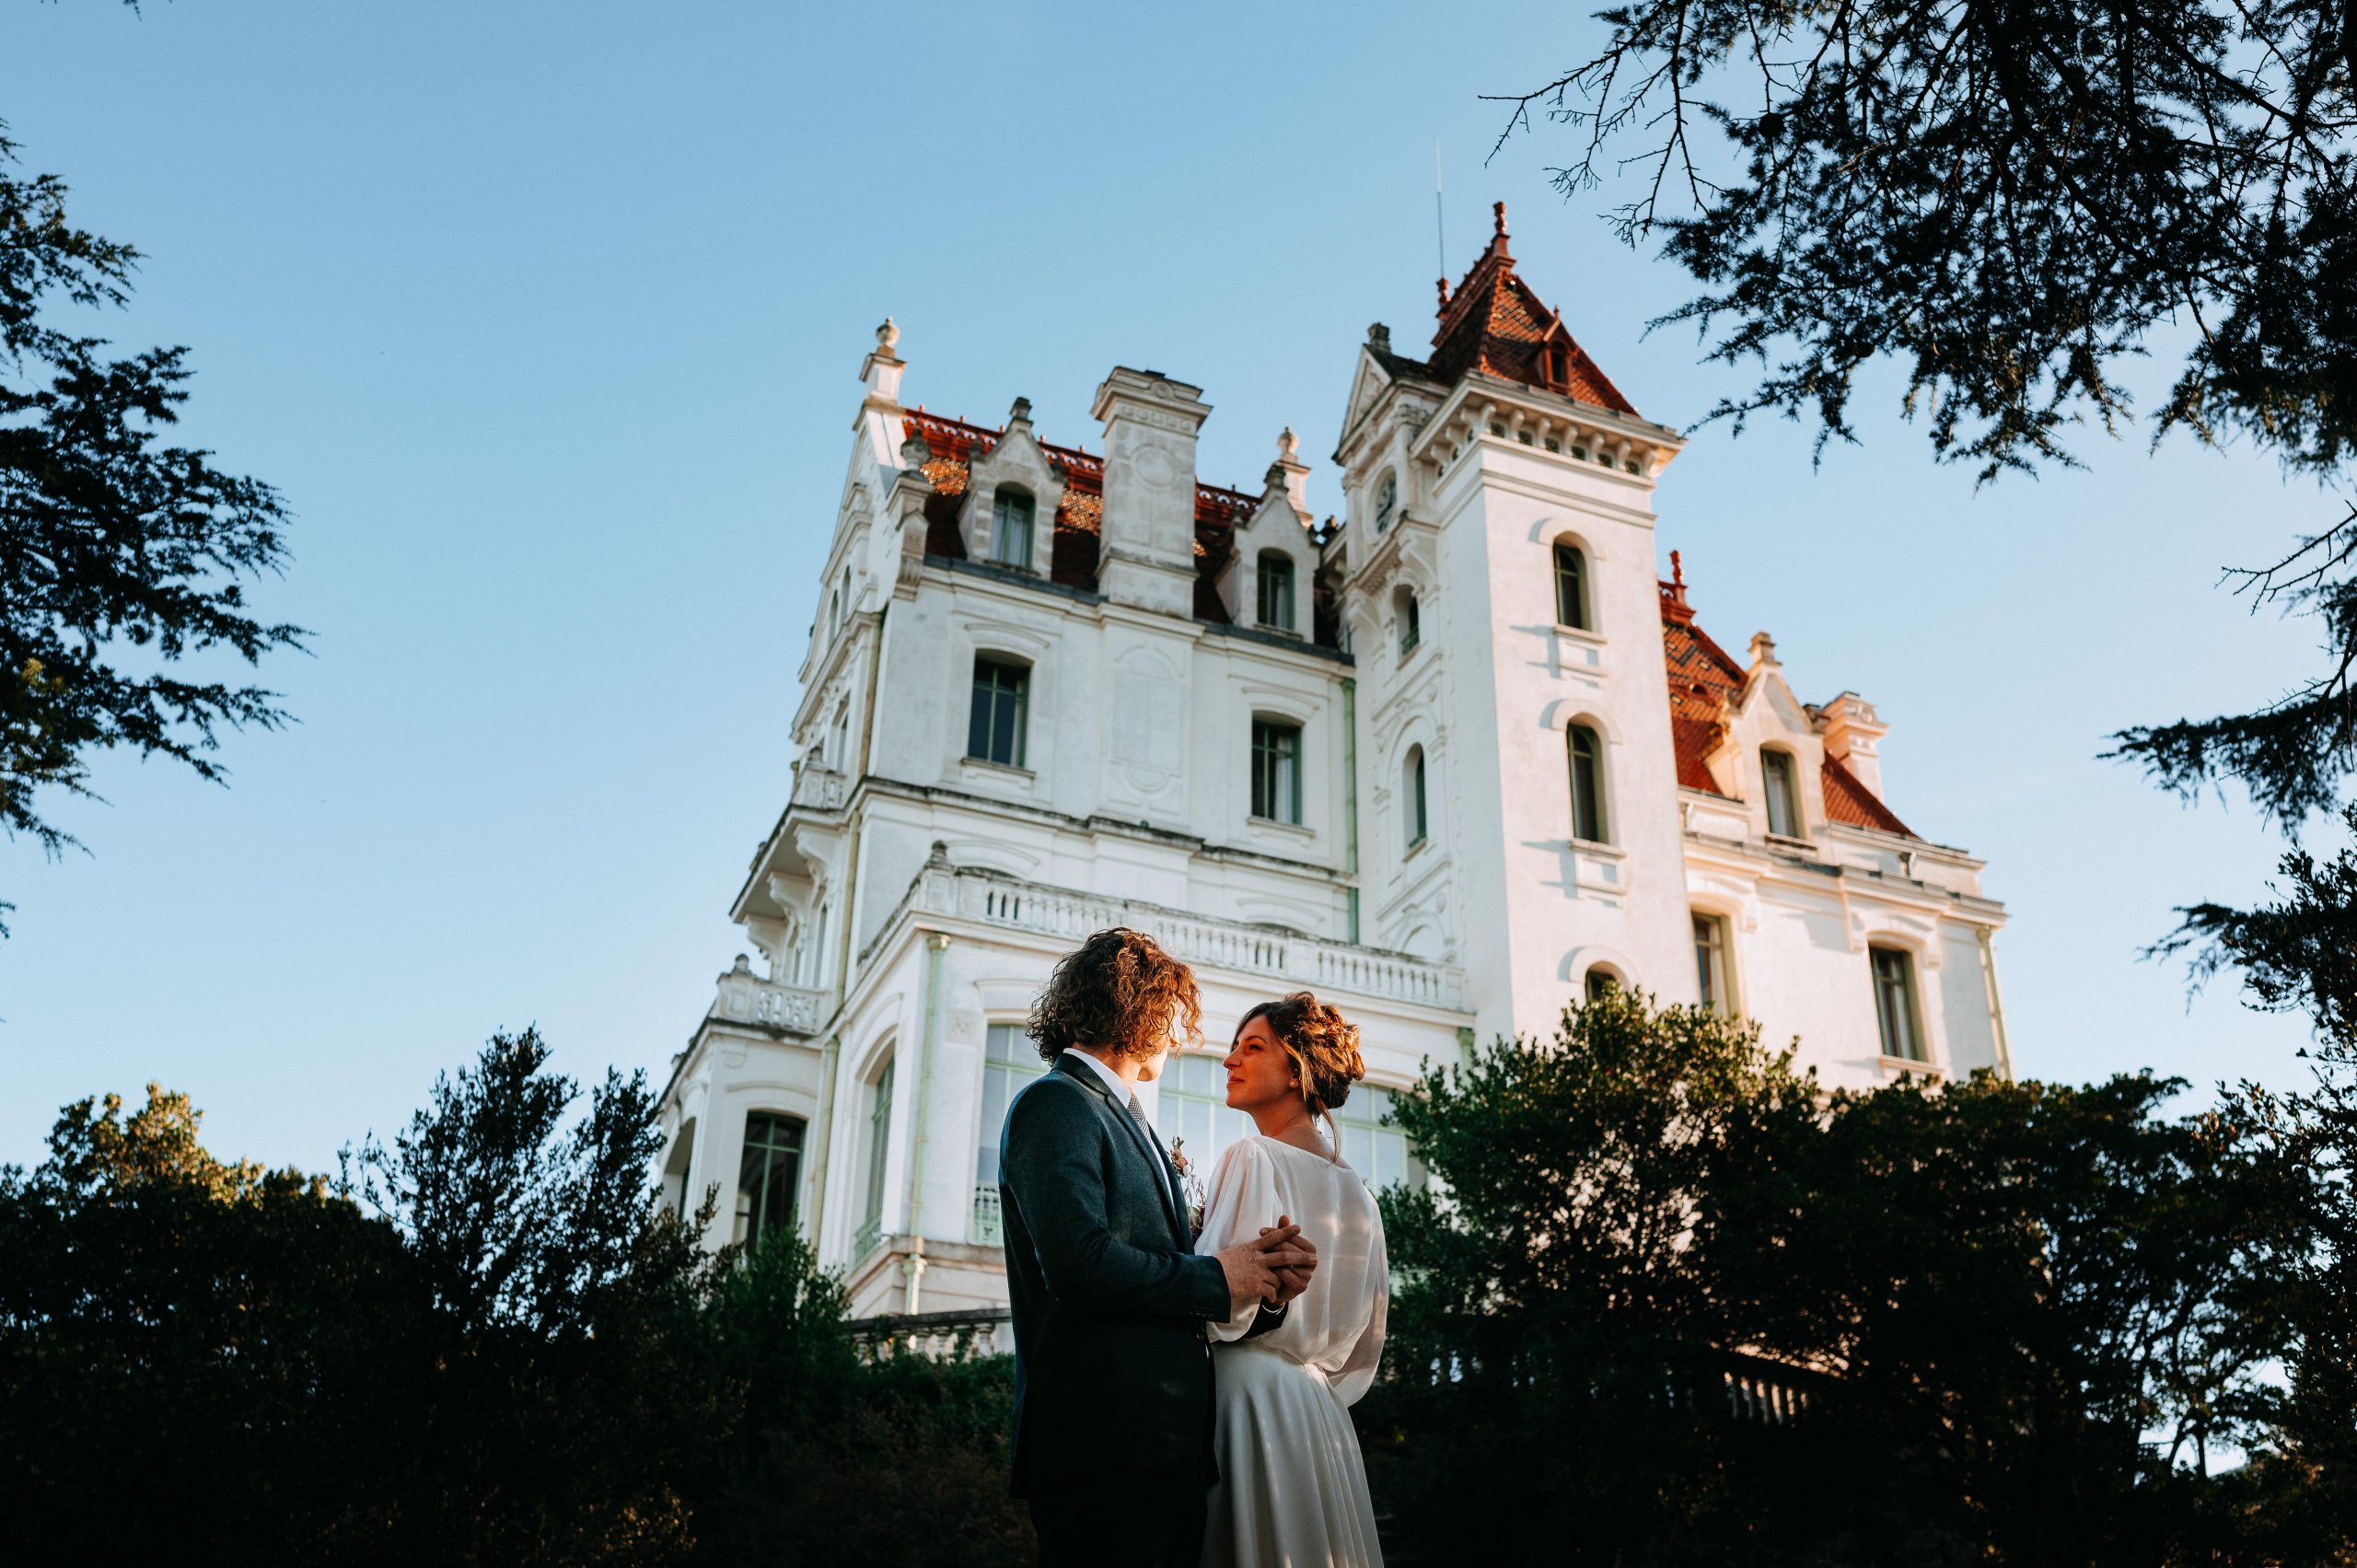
(1452, 759)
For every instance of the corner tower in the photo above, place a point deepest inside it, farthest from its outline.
(1518, 786)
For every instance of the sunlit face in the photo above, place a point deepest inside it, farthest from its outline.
(1260, 1073)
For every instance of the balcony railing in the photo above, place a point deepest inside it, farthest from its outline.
(990, 898)
(987, 1231)
(819, 789)
(937, 1336)
(745, 998)
(866, 1239)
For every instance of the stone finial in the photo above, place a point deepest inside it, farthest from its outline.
(1763, 650)
(1498, 218)
(1678, 574)
(1019, 414)
(1378, 338)
(742, 966)
(939, 859)
(1288, 444)
(1444, 294)
(882, 369)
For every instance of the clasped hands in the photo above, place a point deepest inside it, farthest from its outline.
(1271, 1269)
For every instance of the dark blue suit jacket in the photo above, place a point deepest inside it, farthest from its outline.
(1110, 1301)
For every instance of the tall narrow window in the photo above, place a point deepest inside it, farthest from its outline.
(842, 738)
(995, 730)
(1710, 962)
(1411, 628)
(1009, 1063)
(1011, 527)
(1895, 1004)
(1782, 791)
(1570, 588)
(1276, 771)
(1417, 823)
(1275, 609)
(1382, 1155)
(879, 1149)
(767, 1175)
(1586, 758)
(1387, 502)
(1192, 1105)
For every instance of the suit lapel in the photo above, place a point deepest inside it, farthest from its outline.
(1155, 1161)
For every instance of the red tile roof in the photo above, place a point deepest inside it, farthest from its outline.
(1703, 674)
(1080, 513)
(1493, 322)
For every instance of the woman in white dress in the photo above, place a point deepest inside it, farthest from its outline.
(1292, 1488)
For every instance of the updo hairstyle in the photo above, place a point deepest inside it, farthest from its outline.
(1323, 1044)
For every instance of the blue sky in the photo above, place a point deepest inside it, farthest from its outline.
(546, 319)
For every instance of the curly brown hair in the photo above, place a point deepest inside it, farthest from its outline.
(1119, 989)
(1323, 1044)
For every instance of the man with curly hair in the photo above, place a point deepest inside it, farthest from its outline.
(1112, 1363)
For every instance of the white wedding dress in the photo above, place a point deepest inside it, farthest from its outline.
(1292, 1488)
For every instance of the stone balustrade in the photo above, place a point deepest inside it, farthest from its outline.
(744, 997)
(937, 1336)
(819, 789)
(990, 897)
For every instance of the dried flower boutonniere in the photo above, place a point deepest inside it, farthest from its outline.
(1190, 1186)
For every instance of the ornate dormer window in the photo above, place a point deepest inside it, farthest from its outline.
(1274, 583)
(1387, 502)
(1782, 792)
(1011, 515)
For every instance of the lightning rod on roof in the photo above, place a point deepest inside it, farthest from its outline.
(1440, 230)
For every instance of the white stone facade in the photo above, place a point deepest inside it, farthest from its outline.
(916, 889)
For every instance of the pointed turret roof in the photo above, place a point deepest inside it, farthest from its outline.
(1493, 322)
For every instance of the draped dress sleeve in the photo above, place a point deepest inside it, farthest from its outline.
(1243, 1198)
(1351, 1379)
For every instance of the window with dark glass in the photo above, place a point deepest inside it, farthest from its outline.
(994, 729)
(1710, 962)
(1387, 502)
(1570, 588)
(1276, 771)
(767, 1175)
(1782, 791)
(1601, 983)
(879, 1149)
(1011, 527)
(1587, 757)
(1275, 609)
(1416, 819)
(1895, 1004)
(1411, 631)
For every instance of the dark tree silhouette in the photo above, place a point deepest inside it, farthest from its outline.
(2008, 198)
(121, 556)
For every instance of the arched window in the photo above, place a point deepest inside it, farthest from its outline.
(879, 1150)
(1275, 599)
(1411, 631)
(1601, 982)
(1009, 1063)
(1413, 786)
(842, 759)
(767, 1175)
(1570, 588)
(1011, 527)
(1586, 758)
(1387, 502)
(1782, 791)
(996, 724)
